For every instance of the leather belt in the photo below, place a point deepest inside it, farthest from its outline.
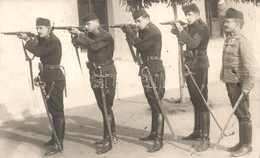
(43, 67)
(150, 58)
(94, 65)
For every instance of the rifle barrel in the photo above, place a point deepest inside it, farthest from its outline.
(19, 32)
(81, 28)
(123, 25)
(183, 24)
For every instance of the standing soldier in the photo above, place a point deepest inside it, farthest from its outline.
(100, 45)
(47, 47)
(196, 38)
(238, 70)
(148, 45)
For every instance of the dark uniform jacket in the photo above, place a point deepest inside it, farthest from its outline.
(100, 49)
(196, 40)
(50, 52)
(238, 62)
(149, 45)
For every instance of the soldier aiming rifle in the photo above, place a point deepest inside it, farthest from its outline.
(100, 45)
(196, 37)
(148, 57)
(47, 47)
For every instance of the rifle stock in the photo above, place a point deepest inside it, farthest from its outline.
(30, 34)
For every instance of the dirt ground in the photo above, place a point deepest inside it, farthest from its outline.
(25, 138)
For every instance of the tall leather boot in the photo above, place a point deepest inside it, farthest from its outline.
(239, 144)
(158, 140)
(59, 126)
(151, 136)
(51, 142)
(113, 129)
(246, 140)
(105, 131)
(196, 135)
(205, 124)
(106, 145)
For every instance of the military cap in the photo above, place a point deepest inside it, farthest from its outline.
(89, 17)
(190, 8)
(137, 13)
(232, 13)
(43, 22)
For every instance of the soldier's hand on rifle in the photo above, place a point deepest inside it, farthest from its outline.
(125, 28)
(74, 31)
(23, 36)
(178, 26)
(129, 32)
(174, 30)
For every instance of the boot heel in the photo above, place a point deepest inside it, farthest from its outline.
(157, 145)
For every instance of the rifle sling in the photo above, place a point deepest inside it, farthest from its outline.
(27, 58)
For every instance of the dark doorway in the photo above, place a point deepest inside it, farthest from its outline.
(98, 7)
(213, 18)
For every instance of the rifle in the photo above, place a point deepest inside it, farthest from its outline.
(81, 28)
(139, 61)
(133, 26)
(30, 34)
(27, 58)
(173, 22)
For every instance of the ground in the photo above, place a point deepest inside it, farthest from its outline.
(25, 138)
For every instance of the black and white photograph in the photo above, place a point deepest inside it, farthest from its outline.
(129, 78)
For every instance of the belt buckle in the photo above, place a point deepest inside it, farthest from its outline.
(153, 58)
